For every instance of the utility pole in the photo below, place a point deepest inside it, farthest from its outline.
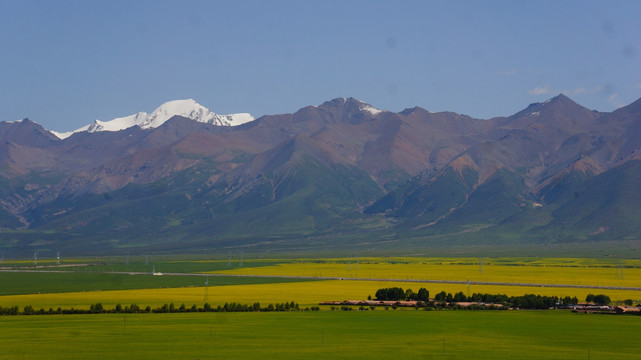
(206, 289)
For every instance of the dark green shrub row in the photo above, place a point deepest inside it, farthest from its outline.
(166, 308)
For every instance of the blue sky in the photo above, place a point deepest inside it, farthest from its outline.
(66, 63)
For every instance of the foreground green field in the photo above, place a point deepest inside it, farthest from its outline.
(323, 335)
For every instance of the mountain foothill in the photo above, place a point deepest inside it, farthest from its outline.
(342, 174)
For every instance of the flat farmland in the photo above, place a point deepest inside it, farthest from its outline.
(98, 283)
(323, 335)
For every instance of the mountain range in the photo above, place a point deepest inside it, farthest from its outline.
(342, 174)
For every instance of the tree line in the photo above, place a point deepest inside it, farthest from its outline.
(598, 299)
(528, 301)
(165, 308)
(398, 294)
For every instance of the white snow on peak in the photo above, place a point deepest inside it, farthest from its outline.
(117, 124)
(63, 135)
(186, 108)
(370, 109)
(192, 110)
(362, 106)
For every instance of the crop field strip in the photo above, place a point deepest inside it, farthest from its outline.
(37, 282)
(598, 275)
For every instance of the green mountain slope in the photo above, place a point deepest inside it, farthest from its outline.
(606, 206)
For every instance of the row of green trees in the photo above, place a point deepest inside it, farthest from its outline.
(166, 308)
(528, 301)
(598, 299)
(233, 307)
(398, 294)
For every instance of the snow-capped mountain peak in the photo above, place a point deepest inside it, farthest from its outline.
(186, 108)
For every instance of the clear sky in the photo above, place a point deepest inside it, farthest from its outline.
(65, 63)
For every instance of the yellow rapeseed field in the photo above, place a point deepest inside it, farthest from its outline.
(535, 271)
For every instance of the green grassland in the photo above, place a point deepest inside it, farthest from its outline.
(323, 335)
(48, 282)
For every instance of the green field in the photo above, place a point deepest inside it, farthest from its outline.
(48, 282)
(323, 335)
